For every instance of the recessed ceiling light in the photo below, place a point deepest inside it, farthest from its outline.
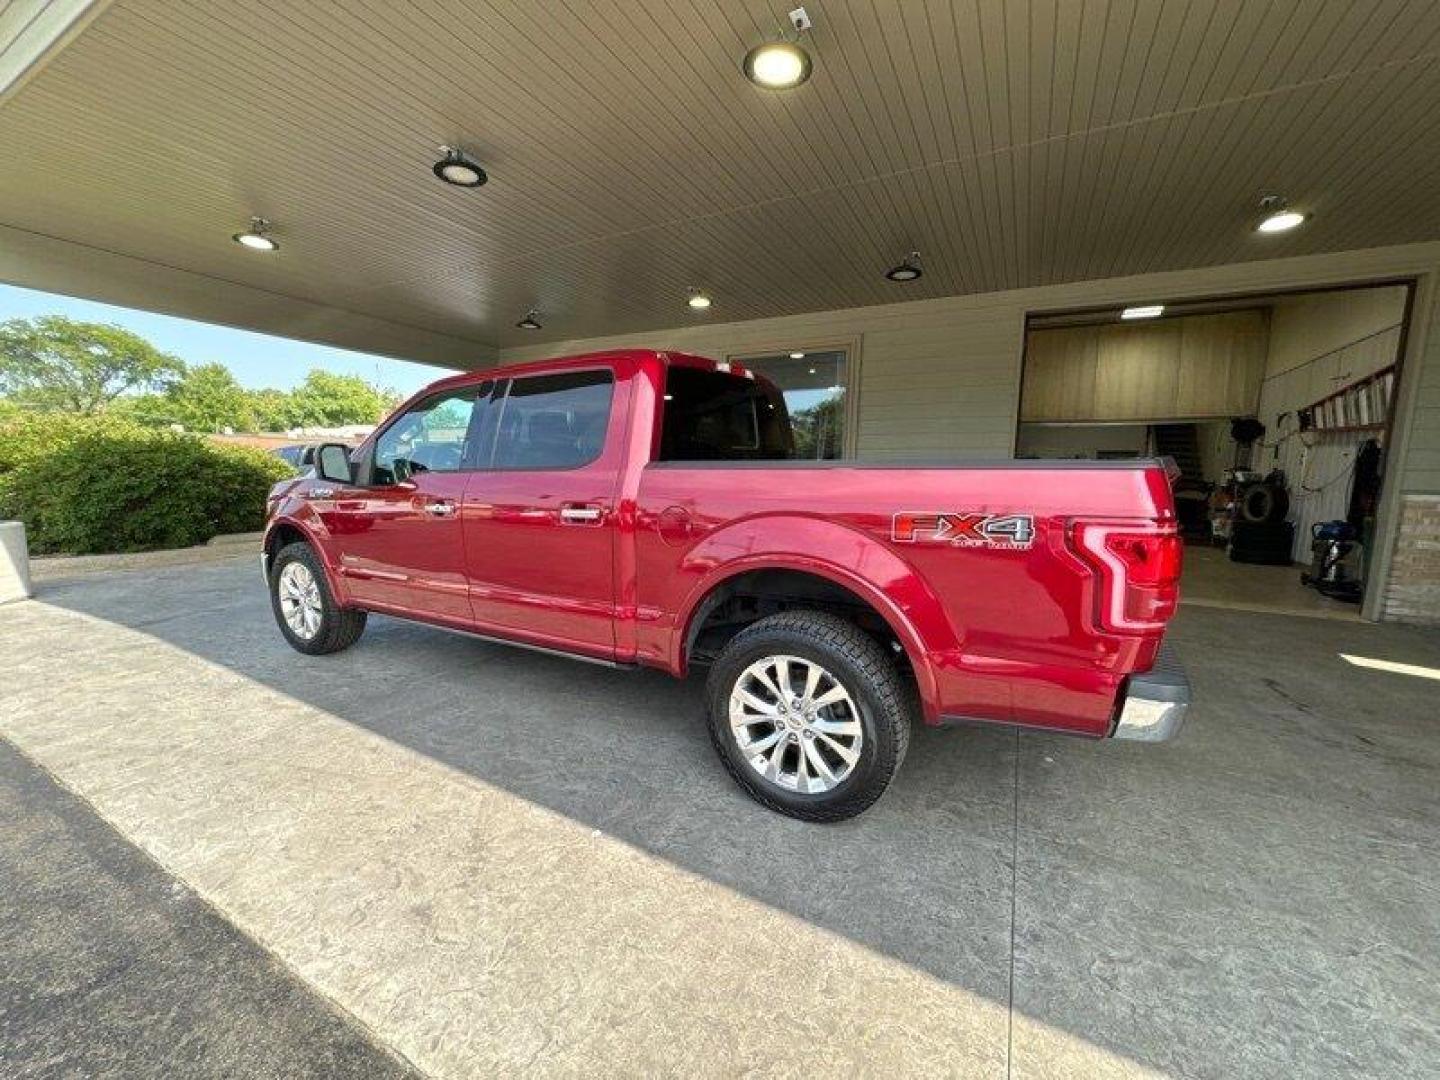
(531, 321)
(797, 356)
(1277, 215)
(777, 65)
(1281, 222)
(257, 237)
(698, 300)
(812, 371)
(459, 169)
(780, 65)
(908, 269)
(1147, 311)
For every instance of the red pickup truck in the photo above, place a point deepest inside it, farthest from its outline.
(644, 508)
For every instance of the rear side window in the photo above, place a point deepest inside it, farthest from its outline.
(554, 421)
(718, 416)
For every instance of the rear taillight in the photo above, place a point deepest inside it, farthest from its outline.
(1139, 571)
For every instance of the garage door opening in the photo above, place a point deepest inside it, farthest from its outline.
(1276, 411)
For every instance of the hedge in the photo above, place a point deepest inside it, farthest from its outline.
(88, 485)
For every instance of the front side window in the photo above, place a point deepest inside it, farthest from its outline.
(432, 436)
(553, 421)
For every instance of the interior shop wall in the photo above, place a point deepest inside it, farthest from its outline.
(1319, 344)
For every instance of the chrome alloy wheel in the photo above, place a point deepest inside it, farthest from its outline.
(300, 600)
(795, 724)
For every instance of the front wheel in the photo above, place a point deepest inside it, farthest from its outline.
(809, 715)
(304, 608)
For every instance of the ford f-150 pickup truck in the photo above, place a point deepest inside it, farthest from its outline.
(644, 508)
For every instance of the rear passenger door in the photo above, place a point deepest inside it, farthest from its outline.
(540, 516)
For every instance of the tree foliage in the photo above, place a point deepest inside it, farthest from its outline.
(819, 431)
(328, 400)
(58, 363)
(208, 398)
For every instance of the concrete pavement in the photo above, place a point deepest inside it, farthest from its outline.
(114, 968)
(499, 861)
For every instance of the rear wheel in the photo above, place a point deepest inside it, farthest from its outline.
(305, 609)
(809, 715)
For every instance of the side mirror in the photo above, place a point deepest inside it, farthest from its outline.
(332, 462)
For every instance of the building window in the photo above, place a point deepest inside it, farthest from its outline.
(814, 388)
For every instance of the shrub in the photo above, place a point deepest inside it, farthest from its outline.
(90, 485)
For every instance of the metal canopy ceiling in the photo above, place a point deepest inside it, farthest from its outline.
(1012, 143)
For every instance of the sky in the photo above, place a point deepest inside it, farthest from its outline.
(256, 360)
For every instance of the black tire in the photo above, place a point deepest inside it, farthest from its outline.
(339, 627)
(866, 672)
(1264, 502)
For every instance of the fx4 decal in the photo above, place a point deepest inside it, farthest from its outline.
(1015, 531)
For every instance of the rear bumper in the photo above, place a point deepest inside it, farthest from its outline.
(1155, 702)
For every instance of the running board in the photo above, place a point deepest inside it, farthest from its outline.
(493, 640)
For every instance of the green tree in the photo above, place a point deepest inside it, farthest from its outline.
(327, 400)
(207, 398)
(272, 409)
(58, 363)
(819, 431)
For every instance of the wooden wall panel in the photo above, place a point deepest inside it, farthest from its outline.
(1060, 371)
(1138, 371)
(1187, 368)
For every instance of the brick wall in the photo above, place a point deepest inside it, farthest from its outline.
(1413, 591)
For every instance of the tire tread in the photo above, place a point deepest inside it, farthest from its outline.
(875, 667)
(339, 627)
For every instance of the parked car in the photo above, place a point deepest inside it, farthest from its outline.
(638, 508)
(301, 456)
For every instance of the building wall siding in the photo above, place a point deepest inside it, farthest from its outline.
(941, 378)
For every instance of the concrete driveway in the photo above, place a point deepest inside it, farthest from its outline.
(492, 861)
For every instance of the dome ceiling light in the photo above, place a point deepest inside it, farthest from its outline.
(698, 300)
(531, 321)
(1276, 215)
(459, 169)
(782, 64)
(257, 237)
(908, 269)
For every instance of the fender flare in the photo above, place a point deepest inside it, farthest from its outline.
(312, 537)
(906, 603)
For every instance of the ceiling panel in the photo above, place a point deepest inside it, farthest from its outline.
(1012, 143)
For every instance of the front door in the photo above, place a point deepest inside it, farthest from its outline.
(540, 520)
(398, 532)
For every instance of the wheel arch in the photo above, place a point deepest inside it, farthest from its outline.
(287, 530)
(905, 605)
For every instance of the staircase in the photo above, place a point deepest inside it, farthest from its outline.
(1178, 441)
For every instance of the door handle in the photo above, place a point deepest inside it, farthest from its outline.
(440, 509)
(320, 493)
(581, 515)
